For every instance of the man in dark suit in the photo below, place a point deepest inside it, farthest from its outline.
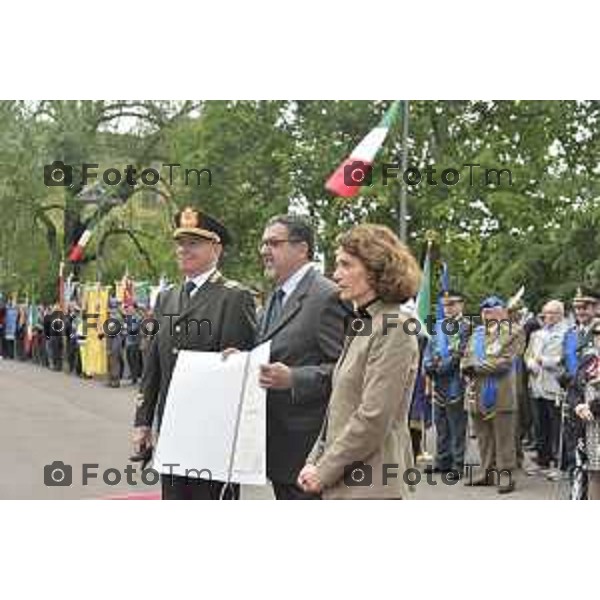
(304, 320)
(207, 313)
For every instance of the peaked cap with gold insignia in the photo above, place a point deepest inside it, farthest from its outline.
(191, 221)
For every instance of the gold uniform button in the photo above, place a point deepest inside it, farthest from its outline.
(177, 328)
(175, 351)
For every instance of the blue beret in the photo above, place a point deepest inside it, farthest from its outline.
(492, 302)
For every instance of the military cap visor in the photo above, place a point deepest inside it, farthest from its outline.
(191, 222)
(452, 296)
(586, 296)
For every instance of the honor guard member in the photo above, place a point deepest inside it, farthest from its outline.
(577, 342)
(490, 396)
(114, 343)
(442, 365)
(585, 305)
(579, 338)
(207, 313)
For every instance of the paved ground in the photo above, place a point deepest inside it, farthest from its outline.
(47, 416)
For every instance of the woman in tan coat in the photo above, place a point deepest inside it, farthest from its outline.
(364, 448)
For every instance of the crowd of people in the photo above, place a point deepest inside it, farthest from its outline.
(55, 339)
(345, 402)
(523, 382)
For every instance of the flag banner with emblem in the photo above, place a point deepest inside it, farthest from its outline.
(93, 351)
(348, 179)
(10, 322)
(124, 291)
(30, 310)
(142, 293)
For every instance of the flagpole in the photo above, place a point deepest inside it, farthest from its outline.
(98, 274)
(402, 211)
(61, 286)
(430, 237)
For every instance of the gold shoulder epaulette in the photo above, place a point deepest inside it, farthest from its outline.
(233, 284)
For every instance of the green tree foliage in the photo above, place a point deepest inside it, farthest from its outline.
(267, 156)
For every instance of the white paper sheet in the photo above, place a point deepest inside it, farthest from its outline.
(205, 408)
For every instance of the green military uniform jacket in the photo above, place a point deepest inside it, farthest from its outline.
(221, 314)
(501, 349)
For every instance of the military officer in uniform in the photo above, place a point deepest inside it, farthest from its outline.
(585, 304)
(206, 313)
(577, 342)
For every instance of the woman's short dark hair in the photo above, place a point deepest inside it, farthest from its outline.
(392, 269)
(299, 230)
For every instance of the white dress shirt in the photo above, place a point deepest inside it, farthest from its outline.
(200, 280)
(291, 283)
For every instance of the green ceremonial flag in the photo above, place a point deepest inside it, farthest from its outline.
(424, 296)
(33, 314)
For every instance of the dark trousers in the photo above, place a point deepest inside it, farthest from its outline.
(134, 361)
(290, 491)
(571, 431)
(451, 433)
(56, 352)
(188, 488)
(115, 366)
(44, 360)
(72, 351)
(549, 431)
(416, 437)
(20, 347)
(9, 348)
(78, 365)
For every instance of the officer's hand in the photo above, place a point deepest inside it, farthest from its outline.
(583, 412)
(275, 376)
(228, 352)
(141, 438)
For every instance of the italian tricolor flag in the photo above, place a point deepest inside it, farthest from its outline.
(347, 179)
(76, 253)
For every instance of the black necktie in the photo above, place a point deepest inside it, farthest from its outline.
(275, 309)
(188, 288)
